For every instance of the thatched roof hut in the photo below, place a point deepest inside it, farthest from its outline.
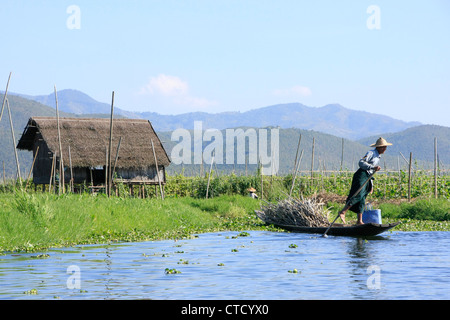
(88, 140)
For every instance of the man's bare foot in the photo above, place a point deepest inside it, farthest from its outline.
(342, 216)
(360, 219)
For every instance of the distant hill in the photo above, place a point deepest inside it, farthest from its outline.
(76, 102)
(327, 153)
(332, 119)
(420, 141)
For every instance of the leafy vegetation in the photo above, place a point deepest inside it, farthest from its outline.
(392, 185)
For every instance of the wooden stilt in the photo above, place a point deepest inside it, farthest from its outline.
(14, 143)
(61, 162)
(157, 170)
(110, 147)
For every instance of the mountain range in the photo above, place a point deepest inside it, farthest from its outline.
(332, 118)
(291, 119)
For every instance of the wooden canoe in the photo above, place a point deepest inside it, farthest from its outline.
(362, 230)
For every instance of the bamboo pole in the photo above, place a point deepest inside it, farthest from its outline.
(157, 171)
(295, 173)
(14, 142)
(312, 162)
(209, 176)
(296, 155)
(106, 170)
(110, 146)
(54, 172)
(51, 174)
(399, 176)
(322, 168)
(412, 168)
(71, 173)
(116, 158)
(61, 162)
(5, 96)
(409, 176)
(435, 168)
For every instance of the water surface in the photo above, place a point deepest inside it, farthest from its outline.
(400, 265)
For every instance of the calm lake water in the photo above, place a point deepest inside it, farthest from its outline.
(399, 265)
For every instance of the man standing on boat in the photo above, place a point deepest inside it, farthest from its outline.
(367, 166)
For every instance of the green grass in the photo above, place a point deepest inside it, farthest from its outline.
(421, 209)
(36, 221)
(31, 222)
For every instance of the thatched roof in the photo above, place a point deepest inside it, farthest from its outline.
(89, 139)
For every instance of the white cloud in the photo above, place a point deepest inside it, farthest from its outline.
(174, 90)
(295, 90)
(166, 86)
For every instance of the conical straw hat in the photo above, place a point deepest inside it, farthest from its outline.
(381, 142)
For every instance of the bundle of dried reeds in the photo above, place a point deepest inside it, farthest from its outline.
(294, 211)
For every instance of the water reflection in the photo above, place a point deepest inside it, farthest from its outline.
(362, 256)
(107, 274)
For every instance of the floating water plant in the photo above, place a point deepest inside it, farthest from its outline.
(294, 271)
(32, 291)
(183, 261)
(41, 256)
(171, 271)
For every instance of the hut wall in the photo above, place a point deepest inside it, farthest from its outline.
(141, 175)
(95, 176)
(43, 165)
(80, 175)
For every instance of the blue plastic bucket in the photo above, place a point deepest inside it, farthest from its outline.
(372, 216)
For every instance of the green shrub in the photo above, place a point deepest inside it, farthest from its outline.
(426, 209)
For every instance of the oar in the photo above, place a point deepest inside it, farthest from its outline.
(347, 203)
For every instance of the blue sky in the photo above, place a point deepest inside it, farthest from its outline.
(170, 57)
